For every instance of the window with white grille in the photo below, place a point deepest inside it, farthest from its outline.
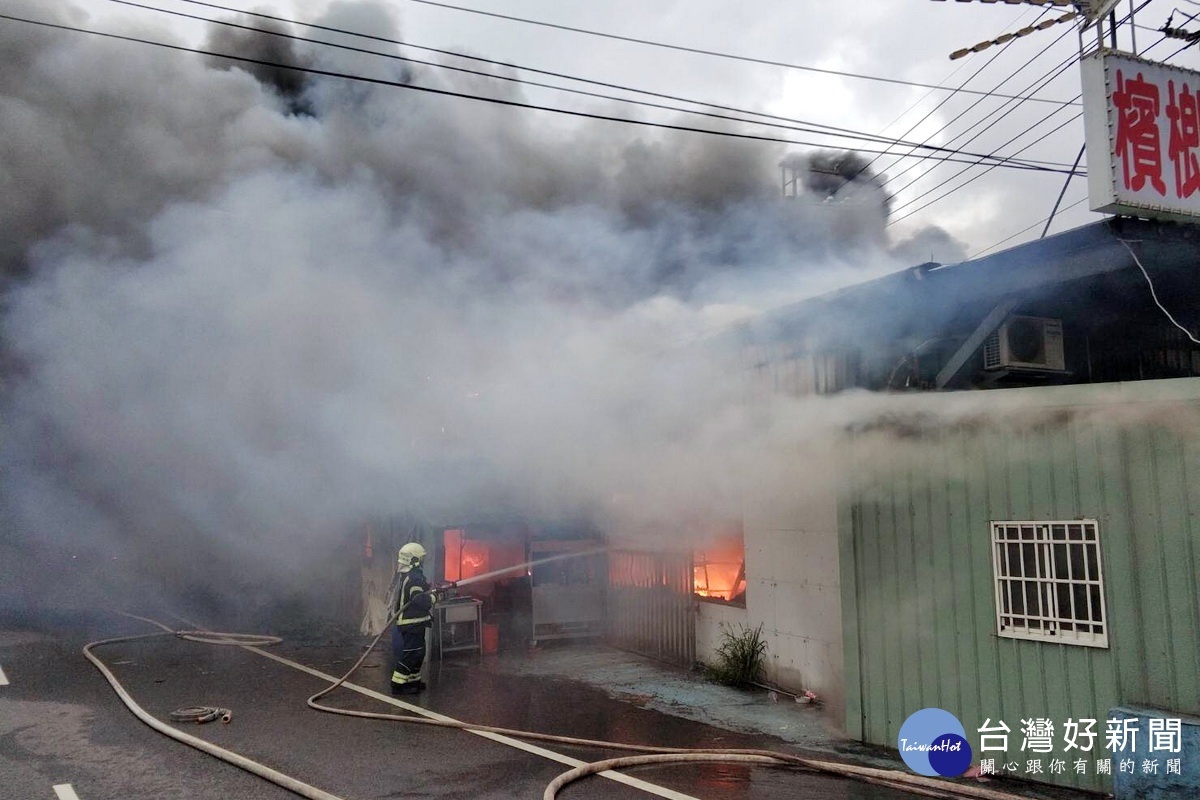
(1049, 584)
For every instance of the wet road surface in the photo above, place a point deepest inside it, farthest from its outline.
(62, 724)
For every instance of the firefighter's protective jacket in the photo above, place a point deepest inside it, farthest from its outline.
(414, 590)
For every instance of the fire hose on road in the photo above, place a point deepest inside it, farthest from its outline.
(244, 640)
(202, 714)
(895, 779)
(651, 754)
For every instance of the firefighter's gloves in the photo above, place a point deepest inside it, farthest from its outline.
(442, 591)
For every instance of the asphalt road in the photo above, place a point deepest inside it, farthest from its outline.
(62, 725)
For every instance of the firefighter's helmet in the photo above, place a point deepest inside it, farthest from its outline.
(411, 555)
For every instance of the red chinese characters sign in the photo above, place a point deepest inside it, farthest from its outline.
(1143, 136)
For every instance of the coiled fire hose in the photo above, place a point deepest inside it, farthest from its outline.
(202, 714)
(914, 784)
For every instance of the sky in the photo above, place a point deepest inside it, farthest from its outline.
(247, 309)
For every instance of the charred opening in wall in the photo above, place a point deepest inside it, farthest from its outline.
(719, 567)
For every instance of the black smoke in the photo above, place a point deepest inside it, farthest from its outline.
(271, 58)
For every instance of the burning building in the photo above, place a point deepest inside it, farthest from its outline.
(529, 581)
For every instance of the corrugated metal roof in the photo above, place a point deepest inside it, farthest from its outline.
(933, 293)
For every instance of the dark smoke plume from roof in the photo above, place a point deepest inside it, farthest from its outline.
(264, 50)
(246, 309)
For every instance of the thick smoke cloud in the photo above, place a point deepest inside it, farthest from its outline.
(264, 52)
(246, 310)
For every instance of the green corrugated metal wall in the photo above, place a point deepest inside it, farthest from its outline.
(918, 587)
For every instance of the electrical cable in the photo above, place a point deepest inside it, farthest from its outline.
(363, 78)
(973, 178)
(991, 247)
(1030, 129)
(998, 114)
(730, 56)
(938, 106)
(1045, 81)
(1154, 294)
(1127, 18)
(802, 126)
(491, 62)
(1086, 197)
(466, 96)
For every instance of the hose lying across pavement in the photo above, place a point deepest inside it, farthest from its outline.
(896, 779)
(915, 784)
(274, 776)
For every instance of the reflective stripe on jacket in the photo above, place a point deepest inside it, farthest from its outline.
(414, 590)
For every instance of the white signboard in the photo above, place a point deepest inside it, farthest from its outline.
(1142, 125)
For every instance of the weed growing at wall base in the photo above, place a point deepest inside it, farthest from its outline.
(740, 656)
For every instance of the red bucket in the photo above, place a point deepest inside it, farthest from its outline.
(491, 638)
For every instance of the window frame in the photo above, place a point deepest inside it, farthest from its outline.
(1048, 549)
(739, 601)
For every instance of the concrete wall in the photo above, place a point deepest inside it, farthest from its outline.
(793, 589)
(709, 618)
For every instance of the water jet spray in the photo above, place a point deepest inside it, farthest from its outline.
(525, 567)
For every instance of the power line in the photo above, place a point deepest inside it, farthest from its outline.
(941, 103)
(978, 253)
(974, 178)
(974, 105)
(730, 56)
(1154, 294)
(464, 95)
(1044, 81)
(1003, 110)
(1085, 198)
(1027, 130)
(992, 124)
(802, 126)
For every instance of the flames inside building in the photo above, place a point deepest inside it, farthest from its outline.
(532, 582)
(719, 568)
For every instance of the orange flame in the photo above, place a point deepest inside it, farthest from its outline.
(719, 570)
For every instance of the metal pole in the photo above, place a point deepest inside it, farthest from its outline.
(1057, 202)
(1132, 29)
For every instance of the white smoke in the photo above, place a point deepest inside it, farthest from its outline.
(244, 316)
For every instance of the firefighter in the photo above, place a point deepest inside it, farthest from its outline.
(412, 615)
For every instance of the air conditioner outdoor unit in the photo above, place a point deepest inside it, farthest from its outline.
(1026, 343)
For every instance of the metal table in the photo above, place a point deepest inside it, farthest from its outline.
(458, 625)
